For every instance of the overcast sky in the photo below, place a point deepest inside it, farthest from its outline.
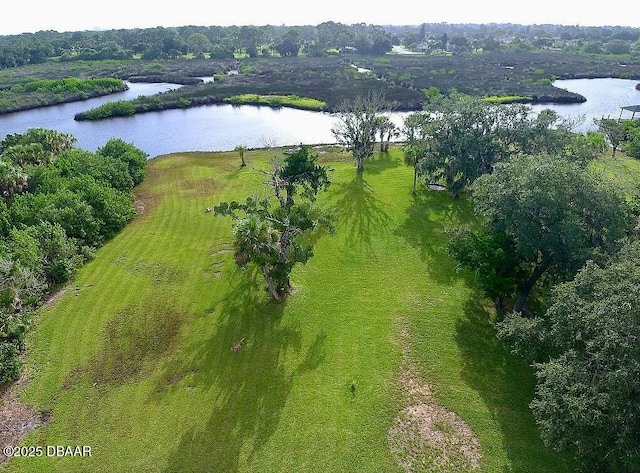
(77, 15)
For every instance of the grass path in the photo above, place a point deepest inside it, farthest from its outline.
(134, 358)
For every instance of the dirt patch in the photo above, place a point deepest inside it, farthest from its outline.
(54, 297)
(425, 436)
(140, 206)
(135, 340)
(16, 419)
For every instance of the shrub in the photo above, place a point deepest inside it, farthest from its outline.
(10, 364)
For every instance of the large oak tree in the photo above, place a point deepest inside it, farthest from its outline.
(543, 218)
(586, 354)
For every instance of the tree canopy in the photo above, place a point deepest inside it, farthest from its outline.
(542, 216)
(58, 204)
(270, 234)
(358, 124)
(461, 137)
(586, 355)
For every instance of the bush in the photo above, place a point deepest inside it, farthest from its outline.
(10, 364)
(61, 209)
(119, 108)
(133, 157)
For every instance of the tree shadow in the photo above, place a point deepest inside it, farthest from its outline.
(506, 385)
(358, 210)
(380, 162)
(250, 380)
(425, 225)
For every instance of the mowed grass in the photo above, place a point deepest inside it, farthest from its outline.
(135, 359)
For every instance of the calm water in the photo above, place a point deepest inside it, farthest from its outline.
(207, 128)
(604, 99)
(223, 127)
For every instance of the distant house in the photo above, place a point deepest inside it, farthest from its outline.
(348, 50)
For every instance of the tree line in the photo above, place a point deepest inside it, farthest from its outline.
(227, 42)
(58, 204)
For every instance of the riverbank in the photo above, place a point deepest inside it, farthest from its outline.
(402, 78)
(39, 93)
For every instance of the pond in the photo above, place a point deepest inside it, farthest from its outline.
(223, 127)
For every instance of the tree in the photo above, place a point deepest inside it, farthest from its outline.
(416, 145)
(614, 132)
(547, 132)
(271, 235)
(221, 51)
(617, 46)
(289, 46)
(299, 174)
(357, 126)
(242, 150)
(545, 217)
(51, 143)
(46, 251)
(387, 130)
(129, 154)
(198, 43)
(12, 180)
(632, 139)
(467, 137)
(586, 357)
(250, 37)
(103, 168)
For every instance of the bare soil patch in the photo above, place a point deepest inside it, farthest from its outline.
(55, 296)
(426, 437)
(16, 419)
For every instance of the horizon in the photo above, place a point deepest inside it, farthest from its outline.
(70, 15)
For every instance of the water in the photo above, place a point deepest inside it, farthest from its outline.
(206, 128)
(604, 99)
(223, 127)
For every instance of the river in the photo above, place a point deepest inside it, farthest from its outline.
(223, 127)
(604, 99)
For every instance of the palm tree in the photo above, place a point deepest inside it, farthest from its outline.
(12, 180)
(387, 130)
(242, 150)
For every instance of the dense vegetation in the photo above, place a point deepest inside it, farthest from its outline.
(320, 40)
(58, 205)
(293, 101)
(586, 356)
(407, 82)
(621, 134)
(45, 92)
(551, 224)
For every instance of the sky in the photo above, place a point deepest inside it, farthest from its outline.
(78, 15)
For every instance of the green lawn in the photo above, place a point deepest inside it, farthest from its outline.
(134, 358)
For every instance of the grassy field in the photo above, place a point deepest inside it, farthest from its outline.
(134, 359)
